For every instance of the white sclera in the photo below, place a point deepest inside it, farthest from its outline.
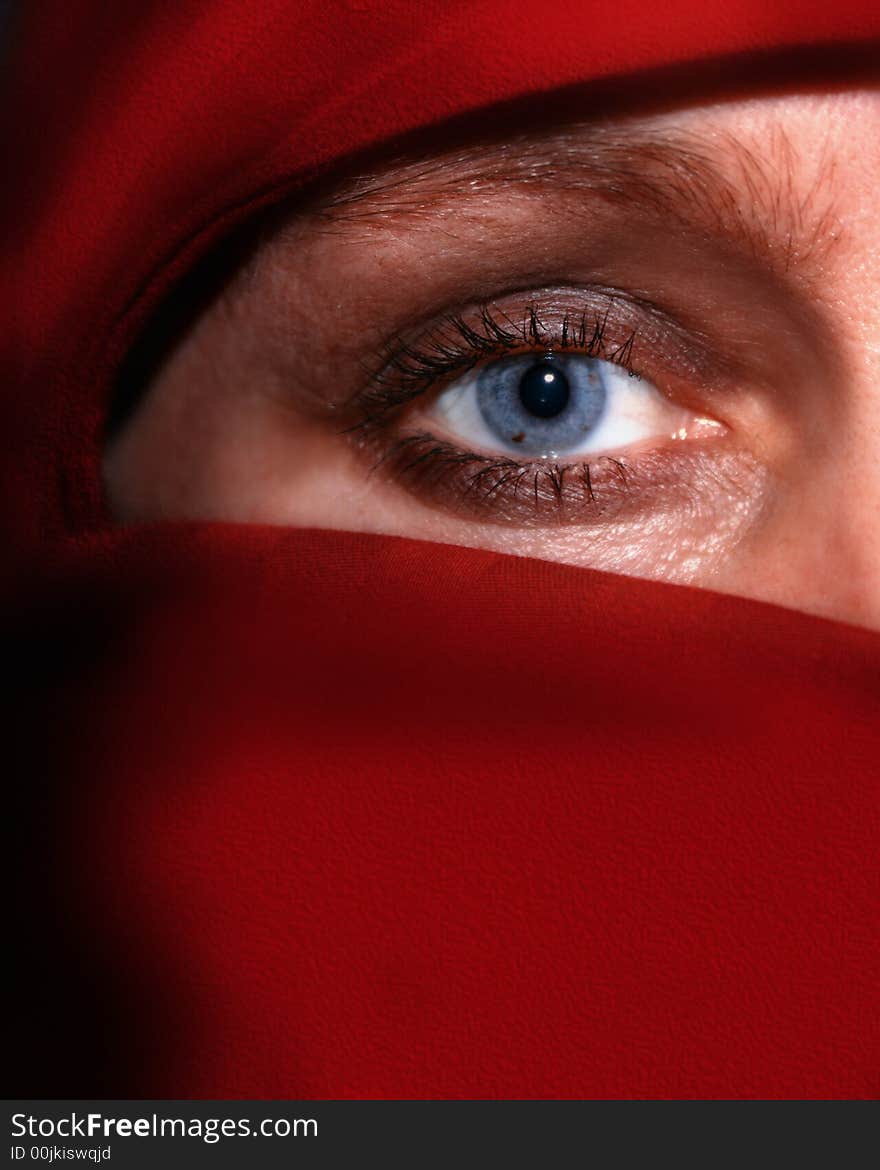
(635, 411)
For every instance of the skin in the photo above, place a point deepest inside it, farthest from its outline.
(736, 245)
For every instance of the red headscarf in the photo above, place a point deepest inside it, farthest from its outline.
(312, 814)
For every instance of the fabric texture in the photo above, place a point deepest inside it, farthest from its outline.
(311, 814)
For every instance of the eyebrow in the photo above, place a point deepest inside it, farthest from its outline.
(712, 180)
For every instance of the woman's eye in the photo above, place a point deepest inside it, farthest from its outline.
(553, 406)
(611, 344)
(533, 413)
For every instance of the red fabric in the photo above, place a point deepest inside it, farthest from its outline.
(314, 814)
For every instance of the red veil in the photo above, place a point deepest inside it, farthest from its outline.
(312, 814)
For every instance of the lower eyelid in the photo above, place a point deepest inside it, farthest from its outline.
(544, 493)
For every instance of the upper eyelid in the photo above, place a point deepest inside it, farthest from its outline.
(556, 316)
(604, 327)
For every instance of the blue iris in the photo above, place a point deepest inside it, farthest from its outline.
(542, 406)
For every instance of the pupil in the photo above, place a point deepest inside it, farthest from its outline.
(544, 390)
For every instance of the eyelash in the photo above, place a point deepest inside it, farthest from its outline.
(455, 347)
(494, 487)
